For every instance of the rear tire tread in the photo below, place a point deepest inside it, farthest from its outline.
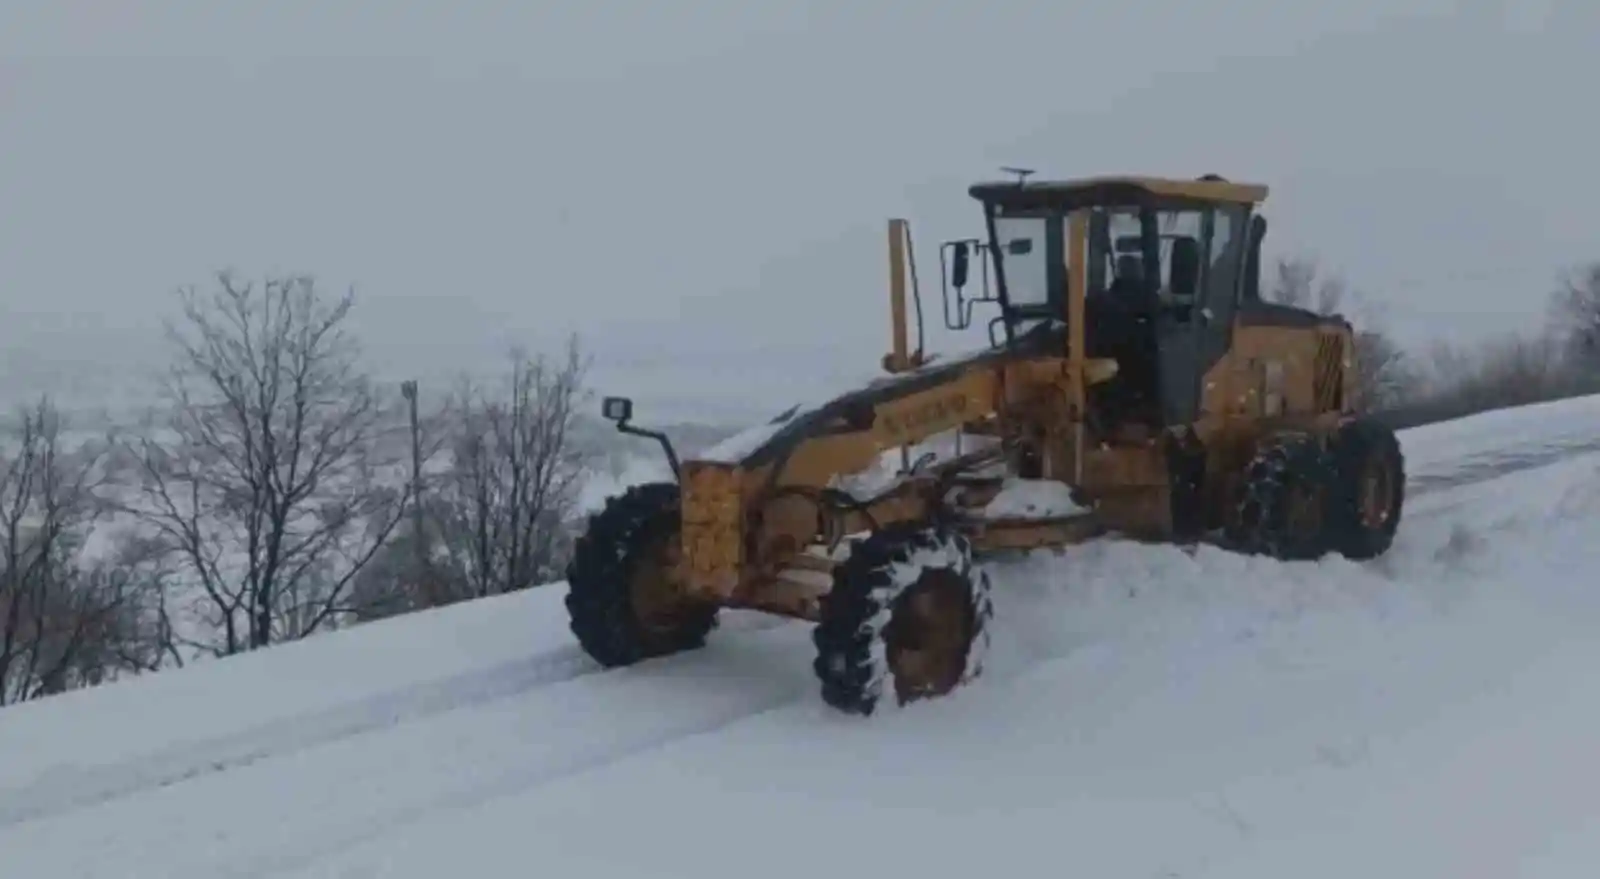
(1282, 464)
(1352, 447)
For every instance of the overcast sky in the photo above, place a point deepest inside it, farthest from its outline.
(700, 186)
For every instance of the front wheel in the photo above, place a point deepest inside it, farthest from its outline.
(624, 600)
(909, 612)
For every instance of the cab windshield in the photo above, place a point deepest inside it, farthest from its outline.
(1133, 255)
(1118, 259)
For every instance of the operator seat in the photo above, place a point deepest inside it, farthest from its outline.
(1111, 312)
(1120, 328)
(1185, 268)
(1130, 272)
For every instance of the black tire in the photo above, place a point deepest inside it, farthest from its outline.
(856, 638)
(1269, 516)
(625, 535)
(1369, 466)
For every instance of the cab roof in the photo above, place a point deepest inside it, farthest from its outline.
(1068, 194)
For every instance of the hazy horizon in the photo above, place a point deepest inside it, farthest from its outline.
(700, 190)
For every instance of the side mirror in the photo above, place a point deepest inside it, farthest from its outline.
(618, 409)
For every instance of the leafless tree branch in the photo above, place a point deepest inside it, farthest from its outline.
(267, 481)
(1385, 377)
(65, 619)
(498, 511)
(1575, 318)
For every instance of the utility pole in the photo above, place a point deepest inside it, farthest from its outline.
(408, 389)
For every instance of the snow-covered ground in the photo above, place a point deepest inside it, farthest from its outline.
(1147, 713)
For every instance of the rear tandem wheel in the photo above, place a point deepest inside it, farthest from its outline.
(1304, 497)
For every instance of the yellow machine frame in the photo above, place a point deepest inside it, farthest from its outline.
(758, 523)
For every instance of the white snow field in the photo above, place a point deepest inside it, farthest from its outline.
(1147, 712)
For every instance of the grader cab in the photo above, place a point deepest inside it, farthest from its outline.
(1134, 384)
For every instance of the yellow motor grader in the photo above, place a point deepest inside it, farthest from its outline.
(1134, 383)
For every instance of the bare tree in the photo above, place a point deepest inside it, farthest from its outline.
(504, 505)
(275, 471)
(1512, 370)
(1385, 377)
(1298, 284)
(1516, 369)
(1575, 315)
(407, 574)
(66, 620)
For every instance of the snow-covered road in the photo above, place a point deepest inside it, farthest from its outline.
(1147, 713)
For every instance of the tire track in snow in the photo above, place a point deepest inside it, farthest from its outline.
(1482, 467)
(294, 812)
(66, 789)
(1479, 469)
(515, 782)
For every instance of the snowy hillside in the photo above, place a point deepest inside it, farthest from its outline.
(1147, 713)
